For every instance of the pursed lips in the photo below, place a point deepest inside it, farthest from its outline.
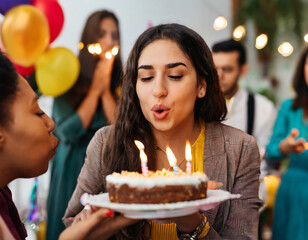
(160, 111)
(55, 144)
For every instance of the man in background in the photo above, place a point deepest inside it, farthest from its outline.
(247, 111)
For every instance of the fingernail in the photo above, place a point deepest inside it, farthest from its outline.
(109, 213)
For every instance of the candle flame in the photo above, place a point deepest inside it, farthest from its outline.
(139, 145)
(170, 156)
(188, 155)
(143, 156)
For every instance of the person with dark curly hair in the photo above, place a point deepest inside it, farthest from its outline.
(26, 146)
(171, 94)
(288, 141)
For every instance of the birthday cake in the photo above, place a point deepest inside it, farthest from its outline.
(157, 187)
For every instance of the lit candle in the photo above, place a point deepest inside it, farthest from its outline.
(143, 158)
(188, 157)
(172, 160)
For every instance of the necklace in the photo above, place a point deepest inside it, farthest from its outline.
(162, 150)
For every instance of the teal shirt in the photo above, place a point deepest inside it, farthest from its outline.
(291, 206)
(68, 161)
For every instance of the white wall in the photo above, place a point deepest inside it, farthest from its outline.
(134, 16)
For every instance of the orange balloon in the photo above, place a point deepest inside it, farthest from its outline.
(56, 71)
(25, 34)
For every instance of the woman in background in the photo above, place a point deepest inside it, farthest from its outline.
(171, 94)
(88, 106)
(288, 140)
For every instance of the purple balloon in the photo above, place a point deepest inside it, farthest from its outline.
(6, 5)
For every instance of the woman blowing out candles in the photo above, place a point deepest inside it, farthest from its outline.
(171, 94)
(26, 146)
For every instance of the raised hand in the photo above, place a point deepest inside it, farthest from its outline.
(102, 75)
(290, 145)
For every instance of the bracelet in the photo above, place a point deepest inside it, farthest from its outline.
(191, 236)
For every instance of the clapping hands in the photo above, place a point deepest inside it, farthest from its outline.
(102, 75)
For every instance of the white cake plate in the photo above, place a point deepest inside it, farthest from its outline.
(157, 211)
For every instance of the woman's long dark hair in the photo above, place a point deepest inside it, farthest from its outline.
(299, 83)
(88, 62)
(121, 153)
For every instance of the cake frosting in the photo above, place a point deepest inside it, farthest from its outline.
(157, 187)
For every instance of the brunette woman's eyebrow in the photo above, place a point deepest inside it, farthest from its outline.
(173, 65)
(145, 67)
(169, 65)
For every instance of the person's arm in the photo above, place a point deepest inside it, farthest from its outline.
(91, 178)
(242, 220)
(99, 90)
(109, 106)
(87, 108)
(100, 225)
(103, 75)
(280, 132)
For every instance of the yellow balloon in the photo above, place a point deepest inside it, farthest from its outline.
(56, 71)
(25, 34)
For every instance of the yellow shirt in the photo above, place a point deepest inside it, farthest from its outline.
(168, 231)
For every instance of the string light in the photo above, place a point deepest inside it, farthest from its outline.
(80, 45)
(115, 51)
(220, 23)
(239, 32)
(306, 38)
(285, 49)
(97, 48)
(261, 41)
(91, 48)
(108, 55)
